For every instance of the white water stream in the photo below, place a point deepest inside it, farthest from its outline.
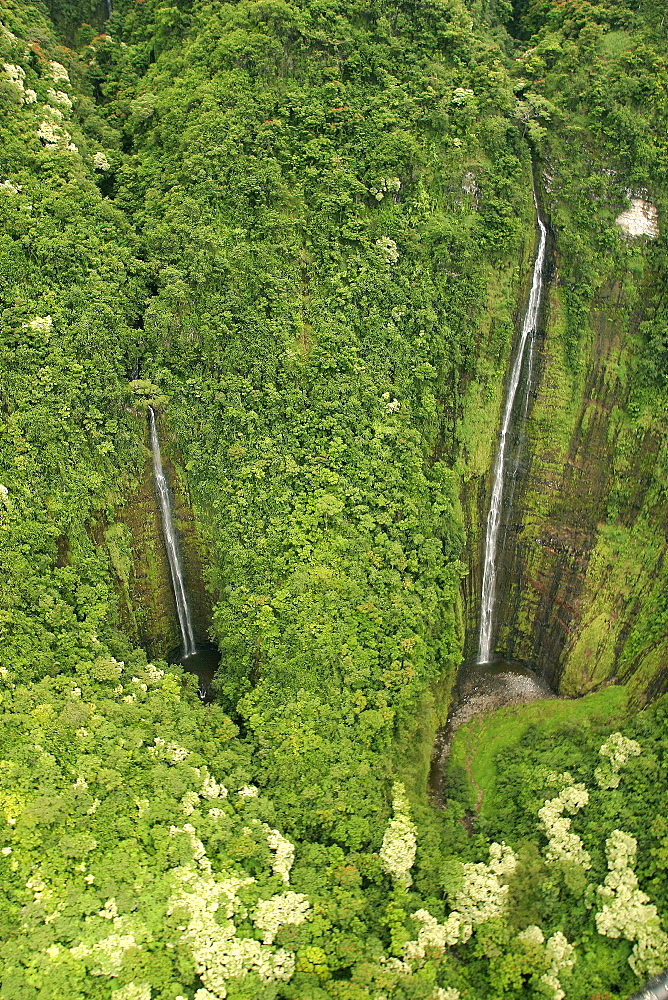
(175, 567)
(528, 334)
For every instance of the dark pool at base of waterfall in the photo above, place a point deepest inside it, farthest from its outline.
(204, 663)
(480, 688)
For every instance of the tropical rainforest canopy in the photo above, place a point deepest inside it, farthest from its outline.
(302, 231)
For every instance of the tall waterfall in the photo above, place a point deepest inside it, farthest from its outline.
(496, 503)
(175, 567)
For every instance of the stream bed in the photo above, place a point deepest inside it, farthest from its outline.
(480, 688)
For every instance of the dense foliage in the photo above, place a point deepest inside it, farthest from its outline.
(298, 230)
(559, 871)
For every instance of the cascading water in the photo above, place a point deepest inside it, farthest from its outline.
(496, 503)
(175, 567)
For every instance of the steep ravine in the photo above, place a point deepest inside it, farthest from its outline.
(137, 553)
(581, 575)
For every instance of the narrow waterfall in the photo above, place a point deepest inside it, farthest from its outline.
(496, 503)
(175, 567)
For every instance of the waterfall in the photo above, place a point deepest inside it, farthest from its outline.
(175, 567)
(496, 503)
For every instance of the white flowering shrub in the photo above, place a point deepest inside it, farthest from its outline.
(531, 935)
(16, 75)
(40, 324)
(100, 161)
(286, 908)
(397, 852)
(248, 792)
(560, 956)
(105, 957)
(58, 72)
(387, 249)
(10, 188)
(391, 405)
(547, 960)
(110, 910)
(284, 854)
(481, 897)
(171, 752)
(189, 802)
(59, 97)
(211, 789)
(627, 911)
(220, 955)
(483, 894)
(142, 991)
(386, 185)
(461, 95)
(565, 847)
(433, 935)
(55, 137)
(616, 752)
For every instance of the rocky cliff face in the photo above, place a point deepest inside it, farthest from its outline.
(582, 573)
(137, 553)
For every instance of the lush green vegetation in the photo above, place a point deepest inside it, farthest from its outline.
(518, 758)
(301, 232)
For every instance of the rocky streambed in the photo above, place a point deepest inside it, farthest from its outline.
(481, 688)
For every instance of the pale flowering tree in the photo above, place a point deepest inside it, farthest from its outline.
(40, 324)
(397, 852)
(248, 792)
(211, 904)
(17, 76)
(154, 673)
(59, 97)
(554, 957)
(565, 847)
(55, 137)
(286, 908)
(211, 789)
(386, 185)
(284, 854)
(462, 95)
(432, 935)
(105, 957)
(391, 405)
(100, 161)
(141, 991)
(483, 893)
(627, 911)
(532, 936)
(560, 956)
(616, 752)
(171, 752)
(387, 249)
(58, 72)
(189, 802)
(481, 897)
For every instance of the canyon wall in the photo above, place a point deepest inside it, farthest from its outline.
(136, 549)
(582, 574)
